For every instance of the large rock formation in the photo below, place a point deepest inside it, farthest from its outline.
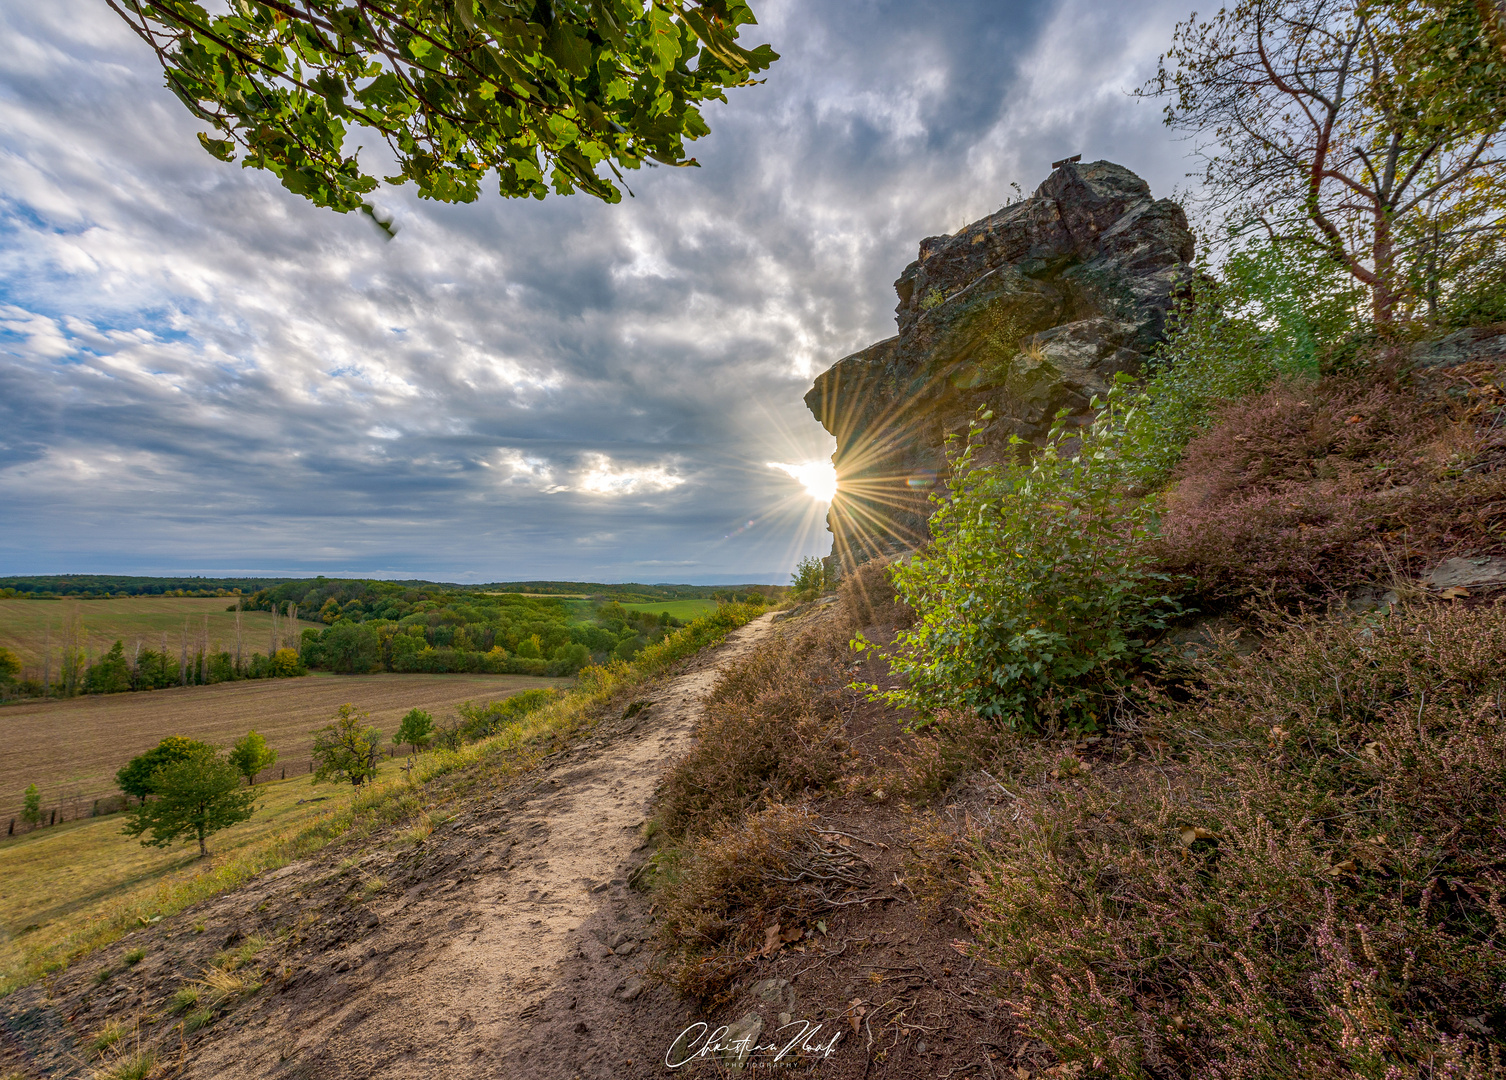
(1031, 310)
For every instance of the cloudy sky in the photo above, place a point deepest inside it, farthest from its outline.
(202, 373)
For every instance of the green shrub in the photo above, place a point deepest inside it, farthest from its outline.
(1037, 596)
(1273, 313)
(810, 579)
(134, 957)
(479, 721)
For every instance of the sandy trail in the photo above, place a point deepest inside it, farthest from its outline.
(445, 979)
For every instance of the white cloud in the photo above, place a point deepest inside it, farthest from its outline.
(602, 476)
(187, 350)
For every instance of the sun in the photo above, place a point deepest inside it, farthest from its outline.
(817, 477)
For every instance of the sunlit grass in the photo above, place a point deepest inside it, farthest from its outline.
(684, 610)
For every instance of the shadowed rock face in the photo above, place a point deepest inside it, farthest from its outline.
(1031, 310)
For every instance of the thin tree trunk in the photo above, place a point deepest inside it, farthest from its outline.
(1383, 292)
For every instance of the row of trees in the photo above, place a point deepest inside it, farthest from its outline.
(501, 634)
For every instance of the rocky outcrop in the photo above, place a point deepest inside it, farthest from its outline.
(1031, 310)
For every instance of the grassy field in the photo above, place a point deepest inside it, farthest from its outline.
(25, 623)
(51, 875)
(72, 748)
(684, 610)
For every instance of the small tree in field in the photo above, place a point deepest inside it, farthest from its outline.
(251, 755)
(195, 796)
(346, 749)
(31, 806)
(135, 778)
(416, 729)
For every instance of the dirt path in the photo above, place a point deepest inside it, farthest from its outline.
(447, 978)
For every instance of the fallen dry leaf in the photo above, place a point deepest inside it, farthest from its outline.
(1455, 592)
(771, 941)
(1193, 834)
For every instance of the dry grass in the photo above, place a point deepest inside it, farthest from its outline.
(771, 730)
(131, 1066)
(71, 749)
(744, 889)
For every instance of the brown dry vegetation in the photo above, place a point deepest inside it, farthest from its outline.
(1304, 491)
(72, 748)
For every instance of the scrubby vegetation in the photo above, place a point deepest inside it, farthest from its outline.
(1310, 885)
(1211, 774)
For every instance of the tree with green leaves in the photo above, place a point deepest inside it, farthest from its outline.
(541, 93)
(10, 667)
(810, 579)
(195, 796)
(251, 755)
(31, 805)
(110, 674)
(136, 777)
(346, 748)
(415, 729)
(351, 648)
(1369, 129)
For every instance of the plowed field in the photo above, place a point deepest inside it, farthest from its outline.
(71, 749)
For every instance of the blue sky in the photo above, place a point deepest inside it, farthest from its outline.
(201, 373)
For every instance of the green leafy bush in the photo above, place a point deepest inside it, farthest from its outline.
(479, 721)
(1274, 312)
(810, 579)
(1038, 595)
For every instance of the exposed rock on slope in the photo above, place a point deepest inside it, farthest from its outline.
(1030, 310)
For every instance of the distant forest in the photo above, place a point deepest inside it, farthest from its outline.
(99, 586)
(525, 628)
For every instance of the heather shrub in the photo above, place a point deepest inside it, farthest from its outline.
(1274, 312)
(1308, 884)
(1307, 490)
(744, 889)
(771, 730)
